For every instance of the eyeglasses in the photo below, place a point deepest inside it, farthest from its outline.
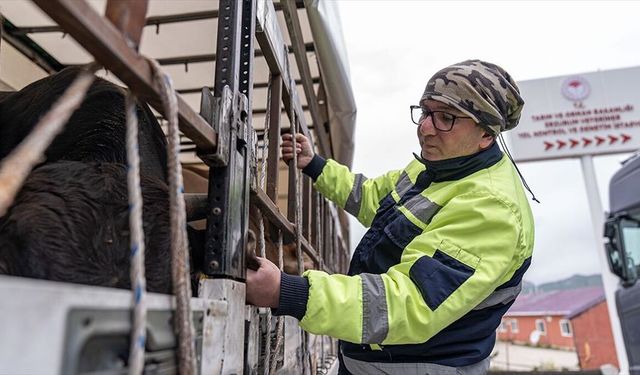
(442, 121)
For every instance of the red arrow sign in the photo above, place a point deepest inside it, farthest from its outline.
(586, 142)
(547, 145)
(561, 144)
(625, 138)
(612, 139)
(599, 140)
(574, 143)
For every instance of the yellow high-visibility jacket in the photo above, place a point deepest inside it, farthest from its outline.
(441, 263)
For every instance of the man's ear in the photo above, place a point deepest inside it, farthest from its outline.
(487, 140)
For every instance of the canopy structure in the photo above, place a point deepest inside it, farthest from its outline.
(181, 35)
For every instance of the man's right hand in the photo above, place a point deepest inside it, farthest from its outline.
(304, 150)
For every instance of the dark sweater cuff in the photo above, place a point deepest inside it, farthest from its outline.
(294, 294)
(315, 167)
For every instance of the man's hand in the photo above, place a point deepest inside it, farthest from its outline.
(263, 285)
(304, 150)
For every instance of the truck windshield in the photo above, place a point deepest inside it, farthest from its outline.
(631, 238)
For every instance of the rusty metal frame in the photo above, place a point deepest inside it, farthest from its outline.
(227, 221)
(100, 38)
(110, 49)
(320, 236)
(150, 21)
(295, 33)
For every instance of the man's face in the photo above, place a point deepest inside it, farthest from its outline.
(465, 138)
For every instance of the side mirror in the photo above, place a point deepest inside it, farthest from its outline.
(615, 257)
(617, 231)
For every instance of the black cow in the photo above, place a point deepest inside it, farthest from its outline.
(95, 132)
(70, 223)
(70, 220)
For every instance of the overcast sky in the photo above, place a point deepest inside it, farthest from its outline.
(395, 46)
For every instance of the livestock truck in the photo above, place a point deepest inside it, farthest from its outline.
(622, 232)
(245, 72)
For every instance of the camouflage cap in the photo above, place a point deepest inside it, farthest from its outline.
(482, 90)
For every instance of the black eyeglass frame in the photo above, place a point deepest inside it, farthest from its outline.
(426, 113)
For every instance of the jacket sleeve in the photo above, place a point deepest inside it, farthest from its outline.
(462, 255)
(355, 193)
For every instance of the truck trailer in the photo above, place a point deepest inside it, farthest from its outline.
(622, 239)
(238, 66)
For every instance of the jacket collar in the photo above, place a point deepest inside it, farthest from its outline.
(463, 166)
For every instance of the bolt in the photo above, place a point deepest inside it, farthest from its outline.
(217, 211)
(214, 265)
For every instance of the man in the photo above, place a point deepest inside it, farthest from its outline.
(450, 238)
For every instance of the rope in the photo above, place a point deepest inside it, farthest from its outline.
(261, 235)
(138, 281)
(298, 214)
(280, 323)
(296, 176)
(179, 246)
(16, 167)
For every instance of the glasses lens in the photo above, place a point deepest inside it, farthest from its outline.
(443, 120)
(416, 115)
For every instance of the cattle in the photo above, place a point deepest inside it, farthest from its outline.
(95, 132)
(69, 222)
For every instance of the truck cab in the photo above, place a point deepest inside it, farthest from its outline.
(622, 236)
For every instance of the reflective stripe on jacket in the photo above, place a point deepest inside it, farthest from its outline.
(446, 256)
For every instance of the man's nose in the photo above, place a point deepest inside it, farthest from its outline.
(426, 126)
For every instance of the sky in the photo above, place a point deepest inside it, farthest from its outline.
(394, 47)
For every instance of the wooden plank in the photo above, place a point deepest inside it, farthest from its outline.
(101, 39)
(273, 156)
(269, 209)
(274, 50)
(295, 33)
(128, 17)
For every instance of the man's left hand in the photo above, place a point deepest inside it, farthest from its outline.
(263, 285)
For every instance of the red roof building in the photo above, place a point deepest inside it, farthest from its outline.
(575, 319)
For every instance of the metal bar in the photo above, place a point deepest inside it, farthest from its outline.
(306, 208)
(335, 216)
(272, 45)
(211, 57)
(324, 110)
(191, 59)
(272, 213)
(314, 216)
(261, 111)
(101, 39)
(196, 210)
(247, 50)
(29, 48)
(332, 241)
(225, 235)
(256, 85)
(295, 33)
(38, 30)
(292, 193)
(128, 17)
(273, 157)
(150, 21)
(182, 17)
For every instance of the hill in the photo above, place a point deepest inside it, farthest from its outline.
(573, 282)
